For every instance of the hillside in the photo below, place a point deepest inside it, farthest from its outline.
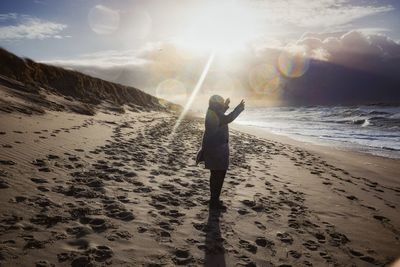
(40, 86)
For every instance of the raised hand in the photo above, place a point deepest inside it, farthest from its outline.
(241, 105)
(227, 101)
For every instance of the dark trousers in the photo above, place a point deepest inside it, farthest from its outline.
(216, 181)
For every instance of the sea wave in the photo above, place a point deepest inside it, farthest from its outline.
(372, 129)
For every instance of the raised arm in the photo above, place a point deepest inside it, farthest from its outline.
(225, 119)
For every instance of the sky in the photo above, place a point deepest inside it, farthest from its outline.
(161, 46)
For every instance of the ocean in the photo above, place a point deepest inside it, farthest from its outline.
(370, 129)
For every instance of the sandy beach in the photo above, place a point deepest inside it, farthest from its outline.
(115, 189)
(91, 176)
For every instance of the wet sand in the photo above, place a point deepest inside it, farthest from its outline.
(114, 189)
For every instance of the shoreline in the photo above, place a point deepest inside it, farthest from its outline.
(357, 148)
(352, 159)
(372, 130)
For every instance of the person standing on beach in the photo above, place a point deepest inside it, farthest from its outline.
(215, 146)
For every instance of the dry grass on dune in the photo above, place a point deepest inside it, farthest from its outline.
(33, 81)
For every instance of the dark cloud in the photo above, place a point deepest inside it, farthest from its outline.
(354, 68)
(356, 49)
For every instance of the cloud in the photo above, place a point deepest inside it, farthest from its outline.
(316, 13)
(28, 27)
(40, 2)
(102, 59)
(355, 49)
(8, 16)
(345, 68)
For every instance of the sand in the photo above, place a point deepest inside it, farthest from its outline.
(90, 176)
(115, 189)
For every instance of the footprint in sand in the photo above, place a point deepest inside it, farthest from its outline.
(263, 242)
(98, 254)
(116, 235)
(7, 162)
(4, 184)
(368, 259)
(47, 220)
(39, 180)
(311, 245)
(337, 239)
(79, 231)
(117, 210)
(352, 197)
(356, 253)
(51, 157)
(248, 246)
(295, 254)
(142, 229)
(260, 225)
(34, 244)
(242, 211)
(182, 257)
(285, 237)
(44, 263)
(97, 224)
(382, 219)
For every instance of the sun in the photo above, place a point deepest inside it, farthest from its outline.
(220, 26)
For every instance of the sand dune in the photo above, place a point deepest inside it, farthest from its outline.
(32, 88)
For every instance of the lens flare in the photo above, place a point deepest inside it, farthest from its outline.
(264, 79)
(293, 62)
(172, 90)
(103, 20)
(194, 93)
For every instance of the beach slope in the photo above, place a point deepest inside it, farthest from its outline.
(115, 189)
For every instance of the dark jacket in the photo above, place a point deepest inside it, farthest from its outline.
(215, 150)
(216, 126)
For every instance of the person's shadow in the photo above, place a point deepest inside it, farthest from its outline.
(214, 249)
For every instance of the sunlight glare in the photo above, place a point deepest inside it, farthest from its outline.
(222, 26)
(194, 93)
